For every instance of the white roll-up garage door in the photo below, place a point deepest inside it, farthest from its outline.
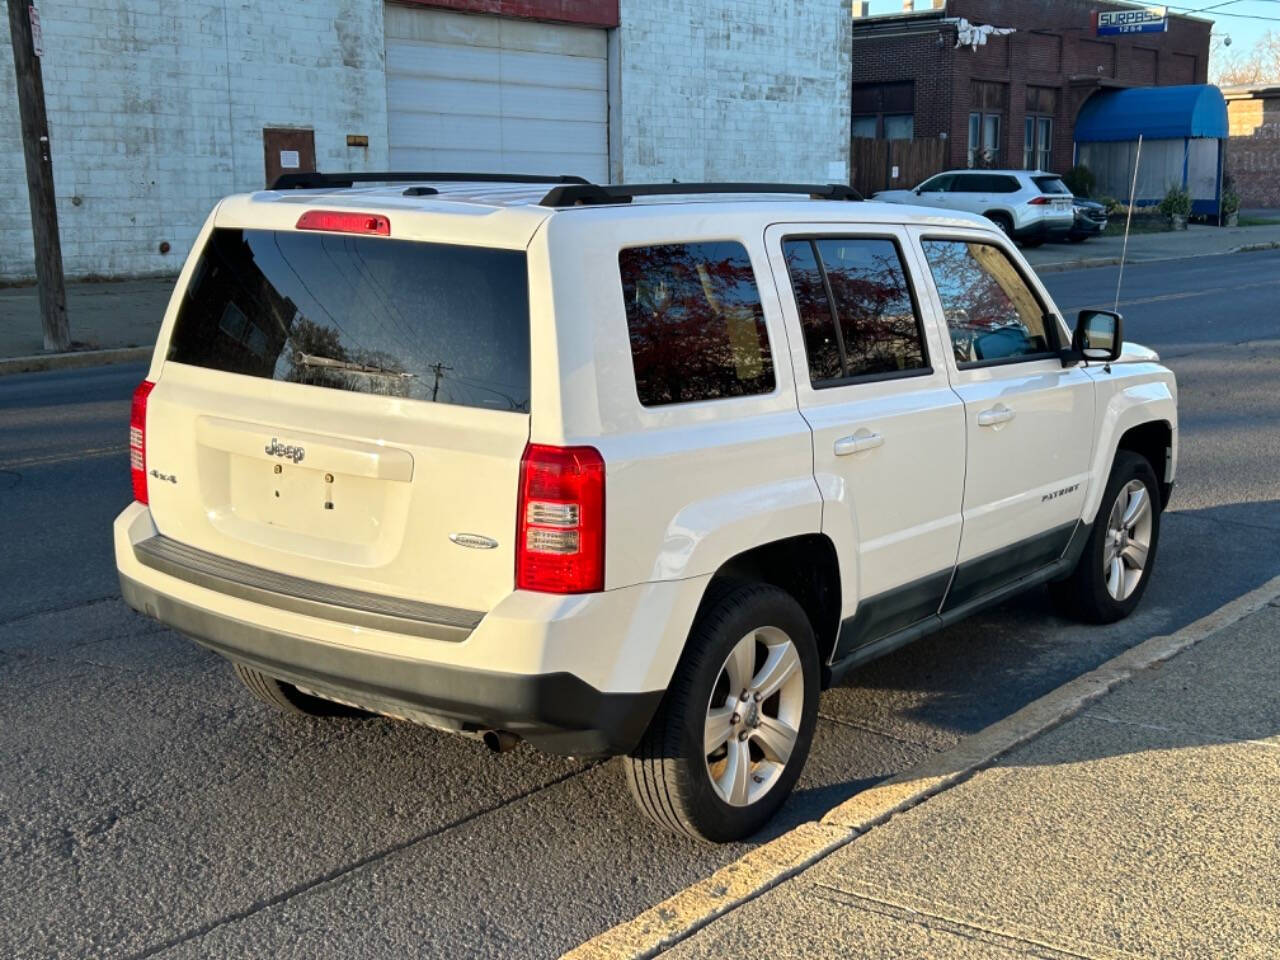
(496, 95)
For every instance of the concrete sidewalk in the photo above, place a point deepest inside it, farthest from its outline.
(1146, 825)
(110, 315)
(1195, 241)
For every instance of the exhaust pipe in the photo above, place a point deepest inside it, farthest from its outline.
(499, 741)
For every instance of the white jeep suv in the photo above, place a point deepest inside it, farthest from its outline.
(622, 470)
(1031, 206)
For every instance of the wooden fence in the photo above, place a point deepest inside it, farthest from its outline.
(873, 162)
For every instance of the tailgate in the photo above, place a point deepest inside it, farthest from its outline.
(348, 410)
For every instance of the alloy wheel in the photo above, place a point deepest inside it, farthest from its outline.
(1128, 541)
(753, 716)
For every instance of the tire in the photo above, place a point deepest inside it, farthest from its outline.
(1090, 592)
(1004, 222)
(1077, 237)
(670, 774)
(287, 698)
(1030, 244)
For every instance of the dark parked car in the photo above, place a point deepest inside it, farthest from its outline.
(1091, 220)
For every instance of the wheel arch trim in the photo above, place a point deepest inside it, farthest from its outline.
(1130, 408)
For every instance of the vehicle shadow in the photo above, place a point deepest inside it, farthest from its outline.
(924, 698)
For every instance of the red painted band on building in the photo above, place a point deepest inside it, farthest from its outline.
(589, 13)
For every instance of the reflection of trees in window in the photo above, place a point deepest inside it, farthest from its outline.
(426, 321)
(695, 321)
(820, 343)
(318, 358)
(982, 293)
(878, 332)
(877, 317)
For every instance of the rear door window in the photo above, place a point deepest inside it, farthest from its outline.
(696, 323)
(421, 321)
(856, 308)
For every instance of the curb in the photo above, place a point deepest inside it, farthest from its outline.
(1062, 266)
(73, 360)
(683, 914)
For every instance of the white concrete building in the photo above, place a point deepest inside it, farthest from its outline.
(157, 109)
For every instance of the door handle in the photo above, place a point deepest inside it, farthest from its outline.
(858, 443)
(995, 416)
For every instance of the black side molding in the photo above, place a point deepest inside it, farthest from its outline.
(990, 583)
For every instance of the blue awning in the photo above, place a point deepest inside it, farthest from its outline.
(1158, 113)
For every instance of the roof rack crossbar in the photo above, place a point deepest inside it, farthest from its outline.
(317, 181)
(578, 194)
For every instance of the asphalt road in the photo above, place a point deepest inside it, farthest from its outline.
(149, 808)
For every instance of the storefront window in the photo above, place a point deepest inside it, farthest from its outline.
(901, 127)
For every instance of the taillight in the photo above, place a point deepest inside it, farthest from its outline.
(1039, 201)
(560, 527)
(337, 221)
(138, 440)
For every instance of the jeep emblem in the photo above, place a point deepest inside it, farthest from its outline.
(285, 451)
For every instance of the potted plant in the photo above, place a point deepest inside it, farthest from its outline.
(1176, 207)
(1230, 208)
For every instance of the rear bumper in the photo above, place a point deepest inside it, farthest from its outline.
(1084, 227)
(576, 675)
(1043, 230)
(556, 712)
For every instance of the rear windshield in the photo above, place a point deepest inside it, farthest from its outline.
(423, 321)
(1052, 185)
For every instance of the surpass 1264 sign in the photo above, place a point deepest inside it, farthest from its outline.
(1146, 20)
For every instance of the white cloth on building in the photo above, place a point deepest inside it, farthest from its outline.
(973, 36)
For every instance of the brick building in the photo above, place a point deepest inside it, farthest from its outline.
(1017, 95)
(158, 109)
(1253, 148)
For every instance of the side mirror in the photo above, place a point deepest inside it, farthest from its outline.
(1099, 335)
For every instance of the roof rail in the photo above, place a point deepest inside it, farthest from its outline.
(580, 194)
(316, 181)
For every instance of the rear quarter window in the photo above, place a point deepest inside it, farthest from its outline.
(695, 322)
(432, 322)
(1052, 185)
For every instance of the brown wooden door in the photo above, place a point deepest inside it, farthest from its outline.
(288, 150)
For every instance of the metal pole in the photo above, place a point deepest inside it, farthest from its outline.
(35, 149)
(1133, 190)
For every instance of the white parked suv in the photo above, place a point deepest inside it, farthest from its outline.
(623, 470)
(1029, 205)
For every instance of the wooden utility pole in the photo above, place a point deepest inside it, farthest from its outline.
(35, 148)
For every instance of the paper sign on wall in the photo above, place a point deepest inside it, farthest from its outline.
(37, 35)
(894, 175)
(289, 160)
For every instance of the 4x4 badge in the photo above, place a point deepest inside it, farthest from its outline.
(288, 451)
